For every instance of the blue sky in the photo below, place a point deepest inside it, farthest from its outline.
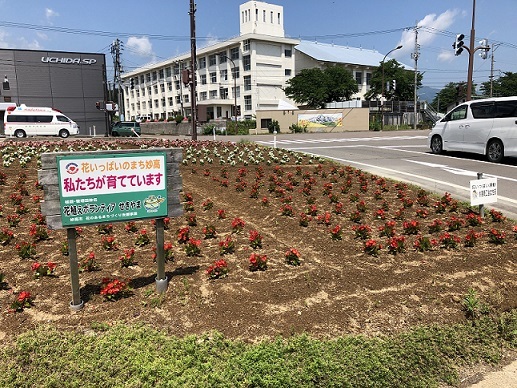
(154, 30)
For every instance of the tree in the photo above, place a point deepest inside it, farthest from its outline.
(451, 94)
(504, 86)
(316, 87)
(404, 79)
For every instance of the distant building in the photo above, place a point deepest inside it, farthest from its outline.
(68, 81)
(262, 60)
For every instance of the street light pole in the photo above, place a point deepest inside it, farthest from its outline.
(234, 90)
(382, 86)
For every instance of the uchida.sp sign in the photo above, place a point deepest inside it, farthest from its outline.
(112, 187)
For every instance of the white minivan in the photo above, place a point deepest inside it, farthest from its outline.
(487, 127)
(23, 121)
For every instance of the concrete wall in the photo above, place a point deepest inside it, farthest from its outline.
(323, 120)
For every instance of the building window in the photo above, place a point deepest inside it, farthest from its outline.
(212, 60)
(148, 77)
(138, 92)
(161, 73)
(236, 92)
(155, 75)
(155, 89)
(234, 53)
(247, 103)
(169, 86)
(178, 99)
(142, 78)
(202, 63)
(144, 105)
(203, 79)
(256, 15)
(163, 101)
(156, 104)
(213, 77)
(246, 45)
(177, 85)
(235, 72)
(264, 16)
(359, 77)
(162, 88)
(223, 93)
(168, 72)
(213, 94)
(288, 72)
(246, 63)
(279, 19)
(271, 17)
(288, 53)
(203, 96)
(186, 97)
(170, 102)
(223, 74)
(176, 69)
(368, 79)
(223, 57)
(264, 123)
(247, 82)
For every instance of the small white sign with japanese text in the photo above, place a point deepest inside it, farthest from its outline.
(483, 191)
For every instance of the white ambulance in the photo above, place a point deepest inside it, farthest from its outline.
(22, 121)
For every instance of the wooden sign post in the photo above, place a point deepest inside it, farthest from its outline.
(88, 188)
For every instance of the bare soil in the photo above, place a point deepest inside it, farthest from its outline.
(338, 289)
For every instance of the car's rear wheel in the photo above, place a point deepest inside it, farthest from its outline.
(19, 133)
(436, 145)
(114, 133)
(495, 151)
(64, 133)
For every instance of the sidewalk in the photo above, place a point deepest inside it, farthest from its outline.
(505, 378)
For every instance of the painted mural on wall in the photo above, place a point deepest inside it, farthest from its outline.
(320, 120)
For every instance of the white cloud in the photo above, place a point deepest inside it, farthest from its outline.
(426, 35)
(50, 14)
(141, 47)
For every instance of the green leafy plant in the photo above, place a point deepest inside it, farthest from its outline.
(114, 289)
(219, 269)
(43, 269)
(292, 257)
(23, 300)
(26, 250)
(257, 262)
(142, 238)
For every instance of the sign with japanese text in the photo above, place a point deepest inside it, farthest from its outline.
(483, 191)
(112, 187)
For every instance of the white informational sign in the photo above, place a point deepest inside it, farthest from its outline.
(483, 191)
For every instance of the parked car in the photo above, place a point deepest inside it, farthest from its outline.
(487, 127)
(125, 128)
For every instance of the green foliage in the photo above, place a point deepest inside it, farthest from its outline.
(393, 70)
(208, 129)
(504, 86)
(140, 356)
(315, 87)
(295, 128)
(273, 126)
(449, 95)
(178, 119)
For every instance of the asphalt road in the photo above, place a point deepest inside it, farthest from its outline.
(404, 156)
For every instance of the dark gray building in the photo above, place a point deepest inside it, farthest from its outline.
(71, 82)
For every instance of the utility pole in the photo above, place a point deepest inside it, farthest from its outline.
(193, 62)
(492, 61)
(415, 56)
(471, 52)
(115, 49)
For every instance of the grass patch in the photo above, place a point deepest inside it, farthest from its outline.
(139, 356)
